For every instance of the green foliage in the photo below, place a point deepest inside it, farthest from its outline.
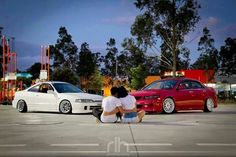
(209, 54)
(64, 53)
(88, 61)
(110, 59)
(34, 70)
(228, 57)
(65, 75)
(26, 81)
(169, 20)
(96, 81)
(138, 76)
(183, 61)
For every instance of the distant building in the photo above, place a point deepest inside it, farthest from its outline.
(204, 76)
(24, 75)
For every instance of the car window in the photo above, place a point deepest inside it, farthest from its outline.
(34, 89)
(66, 88)
(191, 84)
(45, 87)
(186, 84)
(163, 84)
(195, 85)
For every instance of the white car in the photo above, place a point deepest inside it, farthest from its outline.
(54, 97)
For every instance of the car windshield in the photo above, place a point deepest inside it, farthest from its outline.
(66, 88)
(163, 84)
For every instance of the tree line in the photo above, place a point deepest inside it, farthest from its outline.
(157, 44)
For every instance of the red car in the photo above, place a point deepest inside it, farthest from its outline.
(171, 95)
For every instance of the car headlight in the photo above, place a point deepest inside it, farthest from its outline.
(152, 97)
(84, 100)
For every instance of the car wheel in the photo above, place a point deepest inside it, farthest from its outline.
(168, 105)
(65, 107)
(21, 106)
(209, 105)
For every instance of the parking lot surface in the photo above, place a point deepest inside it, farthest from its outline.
(190, 133)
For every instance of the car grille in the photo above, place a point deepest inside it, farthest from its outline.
(97, 100)
(92, 107)
(138, 97)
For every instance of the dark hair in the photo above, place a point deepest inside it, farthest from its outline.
(122, 92)
(114, 90)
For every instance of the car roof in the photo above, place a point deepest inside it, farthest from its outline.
(53, 82)
(180, 78)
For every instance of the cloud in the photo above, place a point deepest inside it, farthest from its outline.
(212, 21)
(27, 54)
(120, 20)
(227, 31)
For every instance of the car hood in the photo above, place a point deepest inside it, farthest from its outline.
(147, 92)
(83, 96)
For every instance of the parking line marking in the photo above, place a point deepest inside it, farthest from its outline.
(12, 145)
(216, 144)
(149, 144)
(55, 152)
(174, 152)
(73, 145)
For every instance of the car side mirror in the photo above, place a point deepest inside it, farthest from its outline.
(50, 92)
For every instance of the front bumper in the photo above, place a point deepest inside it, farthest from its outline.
(149, 105)
(85, 107)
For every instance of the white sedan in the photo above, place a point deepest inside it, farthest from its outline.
(54, 97)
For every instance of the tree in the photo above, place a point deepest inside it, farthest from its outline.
(26, 81)
(110, 59)
(34, 70)
(131, 56)
(88, 62)
(138, 76)
(228, 57)
(169, 20)
(64, 53)
(183, 59)
(96, 81)
(208, 53)
(65, 75)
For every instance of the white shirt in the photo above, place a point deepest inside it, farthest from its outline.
(109, 104)
(128, 103)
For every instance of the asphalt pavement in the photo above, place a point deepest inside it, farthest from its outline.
(191, 133)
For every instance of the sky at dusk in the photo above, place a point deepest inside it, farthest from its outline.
(36, 22)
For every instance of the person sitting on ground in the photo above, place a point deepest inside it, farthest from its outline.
(111, 106)
(129, 102)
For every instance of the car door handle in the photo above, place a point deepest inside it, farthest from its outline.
(190, 92)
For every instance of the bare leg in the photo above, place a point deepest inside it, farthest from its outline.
(141, 115)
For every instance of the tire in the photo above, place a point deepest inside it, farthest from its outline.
(209, 105)
(168, 106)
(21, 106)
(65, 107)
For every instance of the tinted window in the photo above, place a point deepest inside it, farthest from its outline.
(34, 89)
(66, 88)
(191, 84)
(195, 85)
(166, 84)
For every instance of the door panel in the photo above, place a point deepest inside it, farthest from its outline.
(46, 102)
